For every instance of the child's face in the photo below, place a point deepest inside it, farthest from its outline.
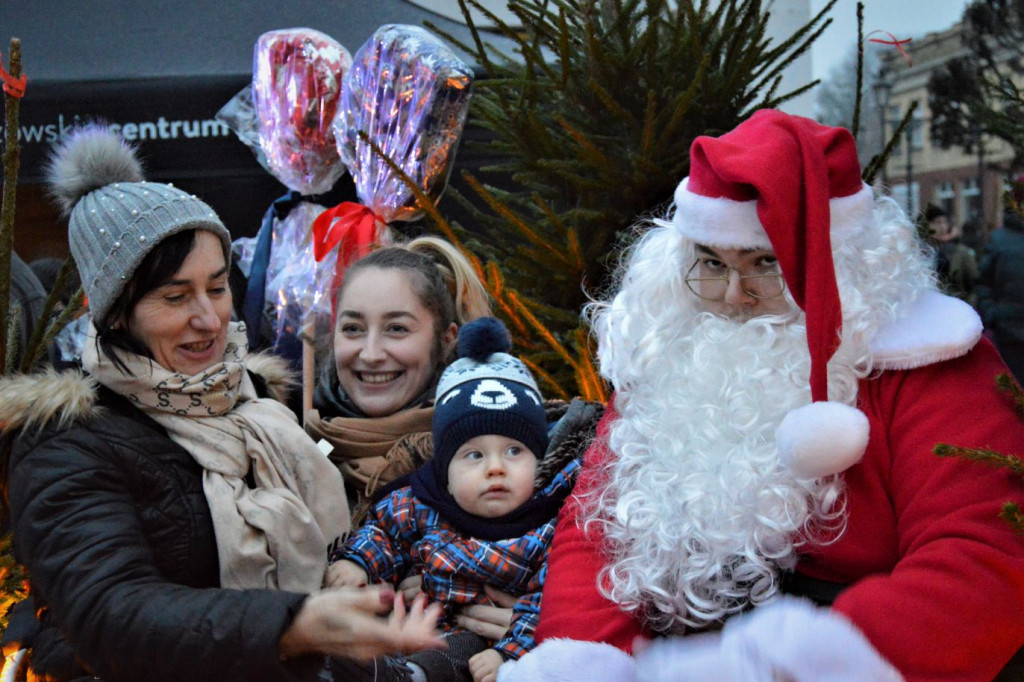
(490, 476)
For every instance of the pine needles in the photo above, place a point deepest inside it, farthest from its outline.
(590, 127)
(1010, 512)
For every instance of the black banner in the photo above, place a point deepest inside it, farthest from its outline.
(172, 120)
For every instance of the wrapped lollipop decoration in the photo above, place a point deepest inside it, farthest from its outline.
(409, 94)
(286, 116)
(296, 88)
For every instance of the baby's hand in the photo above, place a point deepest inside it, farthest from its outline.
(484, 665)
(345, 574)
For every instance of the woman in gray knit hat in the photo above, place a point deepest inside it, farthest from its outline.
(175, 521)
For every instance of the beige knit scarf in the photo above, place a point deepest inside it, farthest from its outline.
(275, 535)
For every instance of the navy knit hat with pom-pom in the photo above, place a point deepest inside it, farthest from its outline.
(487, 391)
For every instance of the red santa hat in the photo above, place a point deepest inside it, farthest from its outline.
(792, 185)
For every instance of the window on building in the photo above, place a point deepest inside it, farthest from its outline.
(893, 119)
(970, 199)
(917, 130)
(945, 196)
(899, 195)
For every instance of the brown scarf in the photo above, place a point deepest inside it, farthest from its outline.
(362, 444)
(275, 535)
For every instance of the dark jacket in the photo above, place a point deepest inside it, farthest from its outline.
(1000, 287)
(111, 521)
(28, 294)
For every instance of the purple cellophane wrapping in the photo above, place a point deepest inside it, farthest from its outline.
(296, 87)
(409, 93)
(297, 286)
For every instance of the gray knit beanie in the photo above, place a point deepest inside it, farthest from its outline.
(115, 217)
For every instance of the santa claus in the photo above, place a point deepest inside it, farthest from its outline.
(783, 366)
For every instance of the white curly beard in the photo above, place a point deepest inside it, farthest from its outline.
(699, 516)
(702, 514)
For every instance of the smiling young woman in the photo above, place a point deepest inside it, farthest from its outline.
(398, 313)
(386, 342)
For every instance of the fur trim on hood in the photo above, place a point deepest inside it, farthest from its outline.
(30, 401)
(274, 370)
(34, 400)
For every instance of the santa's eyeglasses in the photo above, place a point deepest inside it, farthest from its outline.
(709, 279)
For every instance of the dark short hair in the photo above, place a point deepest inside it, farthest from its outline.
(931, 212)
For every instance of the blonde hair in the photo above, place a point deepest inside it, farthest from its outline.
(468, 293)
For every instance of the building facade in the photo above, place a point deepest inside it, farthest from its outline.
(919, 172)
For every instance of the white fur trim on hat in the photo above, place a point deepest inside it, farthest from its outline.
(568, 660)
(938, 328)
(821, 439)
(727, 223)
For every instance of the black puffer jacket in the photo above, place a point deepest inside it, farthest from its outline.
(111, 521)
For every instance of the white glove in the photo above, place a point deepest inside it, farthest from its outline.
(789, 640)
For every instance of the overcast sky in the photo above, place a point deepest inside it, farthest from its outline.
(902, 18)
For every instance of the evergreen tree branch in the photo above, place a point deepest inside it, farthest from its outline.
(11, 157)
(1008, 384)
(855, 125)
(990, 457)
(1013, 515)
(516, 221)
(50, 322)
(879, 160)
(13, 332)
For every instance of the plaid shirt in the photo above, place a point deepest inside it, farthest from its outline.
(404, 536)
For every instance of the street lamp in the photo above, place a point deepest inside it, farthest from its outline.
(979, 143)
(882, 88)
(909, 130)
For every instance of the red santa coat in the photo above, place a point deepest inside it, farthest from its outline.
(936, 579)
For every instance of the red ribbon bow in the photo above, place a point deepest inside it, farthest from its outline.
(15, 87)
(349, 224)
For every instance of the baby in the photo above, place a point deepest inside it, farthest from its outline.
(471, 517)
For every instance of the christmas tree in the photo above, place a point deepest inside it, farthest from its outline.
(590, 125)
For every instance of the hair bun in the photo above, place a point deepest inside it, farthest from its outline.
(88, 158)
(482, 337)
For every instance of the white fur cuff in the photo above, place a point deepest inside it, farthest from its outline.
(569, 660)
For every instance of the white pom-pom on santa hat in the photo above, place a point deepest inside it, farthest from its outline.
(821, 439)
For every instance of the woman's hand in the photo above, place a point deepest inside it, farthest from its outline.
(485, 664)
(346, 574)
(490, 622)
(350, 623)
